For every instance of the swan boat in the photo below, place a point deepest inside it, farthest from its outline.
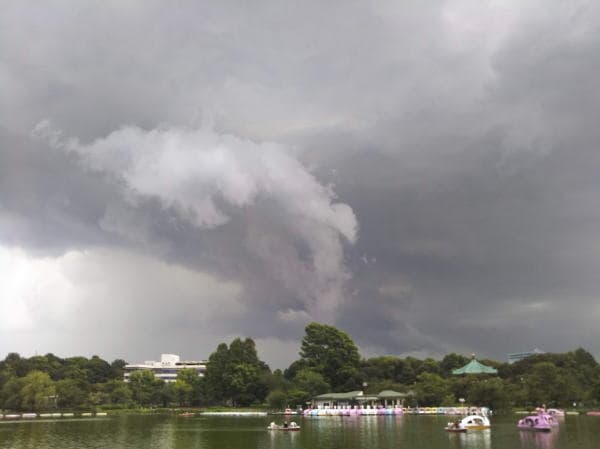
(475, 422)
(536, 423)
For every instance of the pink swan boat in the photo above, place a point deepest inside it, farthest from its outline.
(536, 423)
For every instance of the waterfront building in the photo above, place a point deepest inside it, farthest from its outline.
(386, 398)
(168, 367)
(518, 356)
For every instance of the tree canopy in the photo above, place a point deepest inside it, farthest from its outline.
(332, 353)
(235, 375)
(329, 361)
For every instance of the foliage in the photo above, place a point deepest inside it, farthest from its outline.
(145, 388)
(277, 399)
(329, 361)
(118, 393)
(491, 393)
(71, 393)
(431, 389)
(37, 391)
(332, 353)
(451, 362)
(235, 375)
(311, 382)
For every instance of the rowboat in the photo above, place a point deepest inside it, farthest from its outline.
(455, 427)
(291, 427)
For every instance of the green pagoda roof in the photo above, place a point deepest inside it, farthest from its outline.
(475, 367)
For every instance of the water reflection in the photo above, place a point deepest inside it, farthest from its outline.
(278, 440)
(473, 439)
(366, 432)
(539, 440)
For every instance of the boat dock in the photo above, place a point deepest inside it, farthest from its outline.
(31, 415)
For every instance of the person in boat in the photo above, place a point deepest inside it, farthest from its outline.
(456, 424)
(285, 425)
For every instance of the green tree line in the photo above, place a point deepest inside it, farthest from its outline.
(328, 361)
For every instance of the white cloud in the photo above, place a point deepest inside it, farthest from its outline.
(88, 301)
(193, 170)
(33, 292)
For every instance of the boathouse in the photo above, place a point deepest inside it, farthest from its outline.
(386, 398)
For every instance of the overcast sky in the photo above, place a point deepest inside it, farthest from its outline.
(423, 175)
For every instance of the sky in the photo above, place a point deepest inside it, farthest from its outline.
(422, 175)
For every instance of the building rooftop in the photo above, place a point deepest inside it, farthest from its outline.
(517, 356)
(475, 367)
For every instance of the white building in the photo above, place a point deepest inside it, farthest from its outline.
(168, 367)
(518, 356)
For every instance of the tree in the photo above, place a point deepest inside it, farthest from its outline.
(546, 384)
(290, 372)
(145, 388)
(70, 393)
(242, 378)
(276, 381)
(37, 391)
(76, 368)
(584, 358)
(452, 361)
(330, 352)
(218, 364)
(380, 368)
(431, 389)
(98, 370)
(11, 393)
(118, 392)
(297, 398)
(430, 366)
(312, 382)
(277, 399)
(15, 364)
(491, 393)
(166, 394)
(117, 368)
(410, 369)
(235, 374)
(185, 385)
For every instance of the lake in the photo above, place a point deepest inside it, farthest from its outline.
(365, 432)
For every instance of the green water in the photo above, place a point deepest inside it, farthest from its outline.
(366, 432)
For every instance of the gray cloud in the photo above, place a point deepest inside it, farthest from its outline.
(460, 135)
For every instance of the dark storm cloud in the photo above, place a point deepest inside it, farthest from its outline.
(462, 136)
(47, 204)
(488, 241)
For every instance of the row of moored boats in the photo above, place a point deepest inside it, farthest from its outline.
(50, 415)
(353, 410)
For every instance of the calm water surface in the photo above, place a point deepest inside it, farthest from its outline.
(365, 432)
